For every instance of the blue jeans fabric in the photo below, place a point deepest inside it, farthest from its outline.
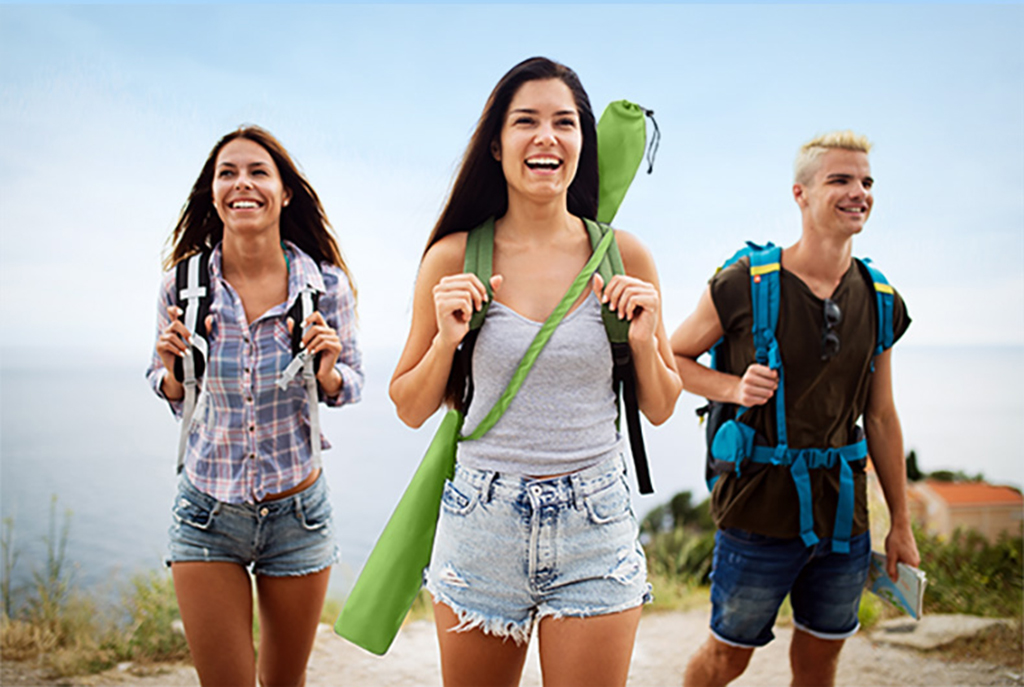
(510, 550)
(285, 537)
(752, 574)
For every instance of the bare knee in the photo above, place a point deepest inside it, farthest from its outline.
(814, 660)
(716, 663)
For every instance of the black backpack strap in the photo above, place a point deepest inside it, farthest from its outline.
(623, 372)
(193, 295)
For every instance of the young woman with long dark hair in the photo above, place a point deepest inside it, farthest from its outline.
(252, 499)
(536, 527)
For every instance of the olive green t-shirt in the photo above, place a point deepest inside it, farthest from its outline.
(824, 398)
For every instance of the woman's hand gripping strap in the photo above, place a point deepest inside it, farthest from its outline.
(306, 362)
(193, 290)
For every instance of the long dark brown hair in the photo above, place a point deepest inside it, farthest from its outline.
(303, 221)
(480, 190)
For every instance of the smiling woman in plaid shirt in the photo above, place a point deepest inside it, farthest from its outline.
(251, 496)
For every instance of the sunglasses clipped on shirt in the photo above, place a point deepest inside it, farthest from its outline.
(830, 338)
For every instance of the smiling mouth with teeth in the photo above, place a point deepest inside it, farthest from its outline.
(244, 205)
(544, 163)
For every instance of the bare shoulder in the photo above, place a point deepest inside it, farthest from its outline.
(447, 256)
(636, 257)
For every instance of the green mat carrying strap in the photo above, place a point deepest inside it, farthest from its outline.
(607, 262)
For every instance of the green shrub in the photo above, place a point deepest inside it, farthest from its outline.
(968, 574)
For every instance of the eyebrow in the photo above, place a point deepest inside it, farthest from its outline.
(229, 163)
(847, 176)
(530, 110)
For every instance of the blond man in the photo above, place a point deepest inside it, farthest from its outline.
(829, 372)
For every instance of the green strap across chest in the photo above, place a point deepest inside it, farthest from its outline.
(547, 329)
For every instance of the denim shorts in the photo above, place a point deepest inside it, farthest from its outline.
(752, 574)
(284, 537)
(510, 550)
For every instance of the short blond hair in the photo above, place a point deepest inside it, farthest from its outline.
(806, 163)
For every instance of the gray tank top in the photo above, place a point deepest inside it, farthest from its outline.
(563, 418)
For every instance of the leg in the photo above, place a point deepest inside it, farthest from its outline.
(473, 658)
(215, 600)
(814, 661)
(826, 598)
(591, 651)
(716, 663)
(290, 610)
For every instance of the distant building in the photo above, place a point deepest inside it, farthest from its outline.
(942, 507)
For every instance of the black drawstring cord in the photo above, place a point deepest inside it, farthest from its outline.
(652, 149)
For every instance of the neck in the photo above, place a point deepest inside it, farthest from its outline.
(542, 222)
(252, 256)
(820, 261)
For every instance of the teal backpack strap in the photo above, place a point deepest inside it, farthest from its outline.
(885, 297)
(623, 373)
(621, 142)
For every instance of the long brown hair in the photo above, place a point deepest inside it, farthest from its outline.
(303, 221)
(480, 190)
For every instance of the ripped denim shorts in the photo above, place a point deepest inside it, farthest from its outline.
(511, 550)
(285, 537)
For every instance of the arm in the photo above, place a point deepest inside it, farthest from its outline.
(637, 297)
(331, 331)
(885, 446)
(443, 302)
(694, 337)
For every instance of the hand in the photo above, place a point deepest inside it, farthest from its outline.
(319, 337)
(174, 341)
(900, 547)
(456, 298)
(633, 299)
(757, 385)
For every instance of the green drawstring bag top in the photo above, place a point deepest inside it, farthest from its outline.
(621, 142)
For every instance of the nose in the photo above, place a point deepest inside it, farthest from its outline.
(243, 181)
(546, 134)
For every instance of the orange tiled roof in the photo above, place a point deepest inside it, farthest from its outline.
(963, 493)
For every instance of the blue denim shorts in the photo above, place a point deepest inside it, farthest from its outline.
(752, 574)
(510, 550)
(281, 538)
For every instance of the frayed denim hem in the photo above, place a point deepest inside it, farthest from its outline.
(556, 613)
(333, 560)
(517, 631)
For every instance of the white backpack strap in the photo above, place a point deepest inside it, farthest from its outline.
(191, 296)
(306, 363)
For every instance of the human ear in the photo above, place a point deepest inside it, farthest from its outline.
(287, 197)
(800, 195)
(496, 150)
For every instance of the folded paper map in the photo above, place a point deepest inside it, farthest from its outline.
(906, 594)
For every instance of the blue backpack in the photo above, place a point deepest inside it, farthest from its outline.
(731, 444)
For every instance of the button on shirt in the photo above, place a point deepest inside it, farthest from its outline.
(249, 438)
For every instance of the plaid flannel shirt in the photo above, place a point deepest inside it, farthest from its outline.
(249, 438)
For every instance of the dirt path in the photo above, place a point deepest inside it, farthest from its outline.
(664, 644)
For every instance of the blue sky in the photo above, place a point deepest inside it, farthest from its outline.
(109, 111)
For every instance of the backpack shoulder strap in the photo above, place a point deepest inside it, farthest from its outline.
(885, 298)
(479, 260)
(765, 266)
(623, 373)
(193, 295)
(611, 265)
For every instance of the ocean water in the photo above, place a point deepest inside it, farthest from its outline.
(104, 445)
